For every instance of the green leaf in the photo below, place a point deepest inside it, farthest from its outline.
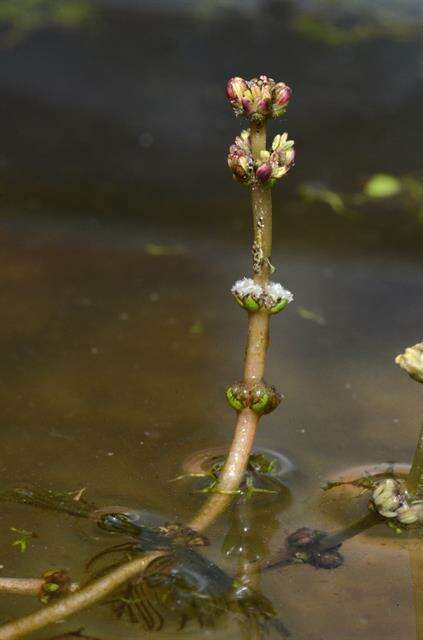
(382, 185)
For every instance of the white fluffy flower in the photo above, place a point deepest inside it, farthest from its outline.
(277, 292)
(246, 287)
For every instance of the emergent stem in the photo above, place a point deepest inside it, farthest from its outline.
(255, 353)
(414, 479)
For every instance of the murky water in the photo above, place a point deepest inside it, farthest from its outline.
(121, 235)
(114, 364)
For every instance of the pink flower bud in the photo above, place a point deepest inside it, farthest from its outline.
(248, 105)
(290, 156)
(282, 94)
(263, 106)
(235, 87)
(264, 172)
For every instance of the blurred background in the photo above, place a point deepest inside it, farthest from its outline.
(117, 110)
(121, 233)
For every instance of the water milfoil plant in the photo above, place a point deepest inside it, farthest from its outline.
(153, 563)
(259, 169)
(398, 499)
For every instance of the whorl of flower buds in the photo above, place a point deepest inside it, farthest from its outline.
(273, 297)
(270, 167)
(391, 500)
(261, 397)
(303, 548)
(258, 98)
(412, 361)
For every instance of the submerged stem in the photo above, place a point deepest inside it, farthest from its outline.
(415, 477)
(334, 539)
(24, 586)
(82, 599)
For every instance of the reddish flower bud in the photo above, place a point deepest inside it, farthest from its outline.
(264, 172)
(247, 105)
(263, 106)
(235, 87)
(282, 94)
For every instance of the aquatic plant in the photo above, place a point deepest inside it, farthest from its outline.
(181, 583)
(398, 500)
(253, 165)
(259, 169)
(53, 583)
(261, 474)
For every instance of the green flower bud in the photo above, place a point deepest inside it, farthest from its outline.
(251, 304)
(238, 396)
(248, 294)
(276, 297)
(279, 306)
(264, 398)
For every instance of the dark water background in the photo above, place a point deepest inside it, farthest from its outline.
(121, 235)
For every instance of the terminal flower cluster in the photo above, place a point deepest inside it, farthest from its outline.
(273, 297)
(271, 165)
(258, 98)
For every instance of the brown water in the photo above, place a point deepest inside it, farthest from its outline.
(113, 369)
(121, 234)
